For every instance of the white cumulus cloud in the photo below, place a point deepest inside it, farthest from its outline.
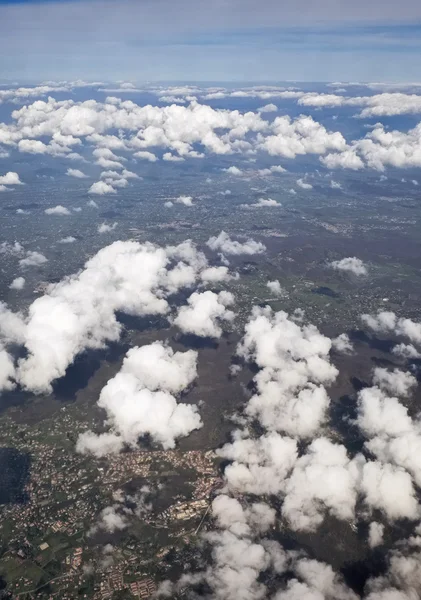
(140, 400)
(17, 284)
(11, 178)
(57, 210)
(204, 312)
(351, 264)
(225, 244)
(76, 173)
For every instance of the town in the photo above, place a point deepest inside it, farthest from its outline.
(54, 544)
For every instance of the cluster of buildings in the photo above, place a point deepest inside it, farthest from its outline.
(108, 585)
(113, 580)
(143, 588)
(183, 511)
(141, 462)
(74, 560)
(65, 491)
(55, 475)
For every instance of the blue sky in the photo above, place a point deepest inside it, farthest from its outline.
(218, 40)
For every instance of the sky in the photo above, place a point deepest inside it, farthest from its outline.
(218, 40)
